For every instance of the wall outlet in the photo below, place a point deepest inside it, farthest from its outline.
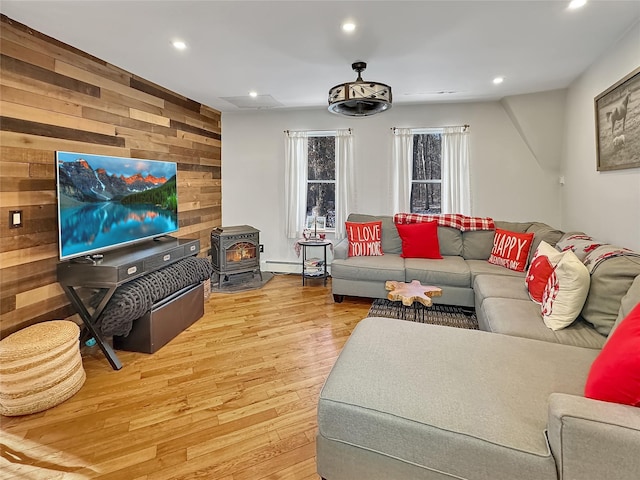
(261, 248)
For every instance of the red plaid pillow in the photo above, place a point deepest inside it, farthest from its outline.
(453, 220)
(511, 249)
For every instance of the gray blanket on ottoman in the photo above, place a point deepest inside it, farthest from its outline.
(133, 299)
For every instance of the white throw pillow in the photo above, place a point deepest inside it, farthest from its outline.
(565, 292)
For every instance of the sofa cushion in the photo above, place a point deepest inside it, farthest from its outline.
(541, 232)
(611, 278)
(615, 374)
(579, 243)
(386, 267)
(477, 245)
(440, 397)
(450, 240)
(520, 227)
(364, 239)
(391, 242)
(522, 318)
(448, 271)
(630, 300)
(482, 267)
(511, 249)
(503, 286)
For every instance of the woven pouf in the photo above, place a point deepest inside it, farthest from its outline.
(40, 367)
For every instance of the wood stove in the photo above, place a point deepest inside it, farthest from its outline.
(235, 250)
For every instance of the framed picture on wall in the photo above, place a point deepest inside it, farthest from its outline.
(617, 112)
(309, 224)
(316, 223)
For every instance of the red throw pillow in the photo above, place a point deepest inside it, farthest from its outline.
(511, 249)
(539, 272)
(365, 239)
(544, 260)
(615, 373)
(419, 240)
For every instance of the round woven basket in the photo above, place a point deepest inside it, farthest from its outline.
(40, 367)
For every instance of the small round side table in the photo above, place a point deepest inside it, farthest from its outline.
(312, 269)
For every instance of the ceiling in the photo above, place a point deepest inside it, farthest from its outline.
(294, 51)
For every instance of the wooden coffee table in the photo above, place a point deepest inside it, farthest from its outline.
(412, 294)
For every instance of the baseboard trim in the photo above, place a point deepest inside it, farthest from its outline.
(283, 266)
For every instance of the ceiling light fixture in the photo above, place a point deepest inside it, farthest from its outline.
(348, 27)
(253, 94)
(179, 45)
(498, 80)
(575, 4)
(359, 98)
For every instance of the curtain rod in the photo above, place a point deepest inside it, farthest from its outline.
(465, 127)
(317, 131)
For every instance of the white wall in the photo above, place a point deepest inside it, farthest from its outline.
(507, 182)
(539, 117)
(605, 205)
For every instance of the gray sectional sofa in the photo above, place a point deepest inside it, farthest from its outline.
(464, 255)
(413, 401)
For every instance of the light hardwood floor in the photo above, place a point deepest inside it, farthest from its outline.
(232, 398)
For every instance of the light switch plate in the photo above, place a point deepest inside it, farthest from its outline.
(15, 218)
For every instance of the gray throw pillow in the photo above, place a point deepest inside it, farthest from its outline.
(610, 281)
(628, 302)
(477, 244)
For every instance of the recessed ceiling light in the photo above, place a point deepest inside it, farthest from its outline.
(574, 4)
(348, 27)
(498, 80)
(253, 94)
(179, 44)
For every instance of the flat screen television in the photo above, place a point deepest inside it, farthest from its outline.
(106, 202)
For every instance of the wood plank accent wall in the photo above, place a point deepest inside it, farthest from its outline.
(56, 97)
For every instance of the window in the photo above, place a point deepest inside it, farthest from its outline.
(426, 177)
(430, 170)
(321, 178)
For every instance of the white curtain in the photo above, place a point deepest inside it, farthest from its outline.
(456, 193)
(345, 180)
(296, 148)
(401, 170)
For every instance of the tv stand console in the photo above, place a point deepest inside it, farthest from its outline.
(116, 268)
